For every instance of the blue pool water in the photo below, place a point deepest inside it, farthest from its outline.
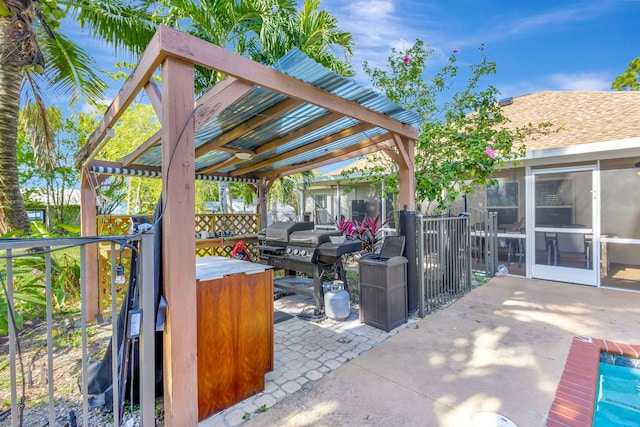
(618, 392)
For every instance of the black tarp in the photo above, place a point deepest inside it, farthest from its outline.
(99, 376)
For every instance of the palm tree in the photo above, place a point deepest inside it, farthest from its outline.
(262, 29)
(35, 56)
(316, 33)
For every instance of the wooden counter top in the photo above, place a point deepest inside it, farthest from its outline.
(215, 267)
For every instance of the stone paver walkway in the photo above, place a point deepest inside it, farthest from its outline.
(304, 352)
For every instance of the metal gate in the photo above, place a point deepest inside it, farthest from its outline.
(12, 252)
(444, 261)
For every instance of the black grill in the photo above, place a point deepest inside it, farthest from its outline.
(296, 248)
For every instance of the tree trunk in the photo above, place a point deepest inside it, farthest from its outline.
(13, 215)
(18, 48)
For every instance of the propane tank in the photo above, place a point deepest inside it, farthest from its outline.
(336, 301)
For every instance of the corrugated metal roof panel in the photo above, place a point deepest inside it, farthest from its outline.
(256, 101)
(300, 66)
(315, 153)
(152, 157)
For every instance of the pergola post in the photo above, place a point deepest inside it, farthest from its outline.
(178, 245)
(262, 202)
(89, 227)
(406, 172)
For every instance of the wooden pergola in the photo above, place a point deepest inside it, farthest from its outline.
(183, 148)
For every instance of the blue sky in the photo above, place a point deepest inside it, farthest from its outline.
(537, 45)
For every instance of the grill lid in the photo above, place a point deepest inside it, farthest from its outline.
(280, 231)
(312, 237)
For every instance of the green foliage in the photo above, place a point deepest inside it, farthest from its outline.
(29, 275)
(139, 195)
(70, 229)
(369, 232)
(263, 30)
(51, 13)
(285, 190)
(50, 182)
(630, 79)
(462, 141)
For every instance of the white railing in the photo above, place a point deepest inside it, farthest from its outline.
(10, 251)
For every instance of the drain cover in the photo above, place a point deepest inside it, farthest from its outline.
(491, 419)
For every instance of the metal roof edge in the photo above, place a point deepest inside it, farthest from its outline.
(592, 147)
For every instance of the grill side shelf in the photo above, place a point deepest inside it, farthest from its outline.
(296, 284)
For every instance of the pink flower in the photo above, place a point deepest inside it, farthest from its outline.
(406, 60)
(455, 51)
(490, 152)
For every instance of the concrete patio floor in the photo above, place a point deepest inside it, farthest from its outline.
(501, 348)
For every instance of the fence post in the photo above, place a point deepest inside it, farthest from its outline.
(492, 243)
(421, 264)
(147, 344)
(408, 229)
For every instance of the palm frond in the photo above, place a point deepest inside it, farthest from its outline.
(38, 122)
(71, 70)
(126, 26)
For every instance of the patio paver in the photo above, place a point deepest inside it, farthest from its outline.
(501, 348)
(305, 352)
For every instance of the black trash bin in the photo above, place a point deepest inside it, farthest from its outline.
(383, 286)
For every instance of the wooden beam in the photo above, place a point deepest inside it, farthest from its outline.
(155, 97)
(354, 130)
(315, 125)
(328, 160)
(151, 59)
(89, 227)
(146, 146)
(236, 150)
(405, 156)
(219, 97)
(178, 245)
(223, 164)
(192, 49)
(365, 146)
(264, 117)
(406, 172)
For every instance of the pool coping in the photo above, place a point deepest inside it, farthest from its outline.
(576, 394)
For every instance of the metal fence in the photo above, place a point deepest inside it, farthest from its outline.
(444, 261)
(16, 253)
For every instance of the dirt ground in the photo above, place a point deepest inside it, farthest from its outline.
(67, 368)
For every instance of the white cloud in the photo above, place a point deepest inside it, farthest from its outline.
(371, 10)
(571, 13)
(594, 81)
(510, 24)
(581, 81)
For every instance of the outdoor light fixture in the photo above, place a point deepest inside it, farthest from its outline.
(243, 156)
(119, 279)
(119, 275)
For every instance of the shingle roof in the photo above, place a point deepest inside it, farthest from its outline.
(576, 118)
(580, 117)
